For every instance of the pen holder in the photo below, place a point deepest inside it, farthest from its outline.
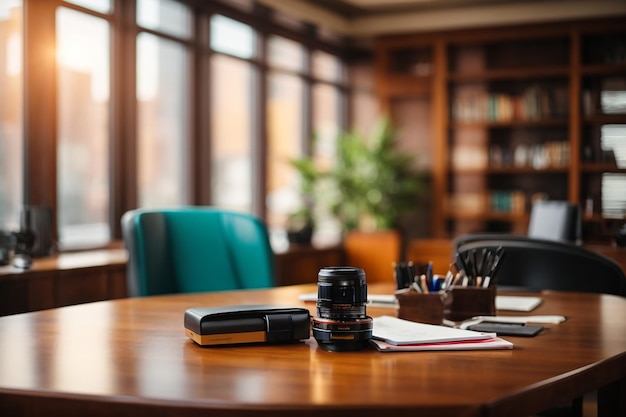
(462, 303)
(419, 307)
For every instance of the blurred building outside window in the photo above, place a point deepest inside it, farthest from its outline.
(83, 188)
(11, 103)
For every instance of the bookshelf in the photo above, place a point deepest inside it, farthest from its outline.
(517, 114)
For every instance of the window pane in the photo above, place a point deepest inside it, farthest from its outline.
(162, 104)
(285, 134)
(285, 53)
(326, 125)
(11, 133)
(83, 128)
(102, 6)
(231, 124)
(232, 37)
(326, 67)
(168, 16)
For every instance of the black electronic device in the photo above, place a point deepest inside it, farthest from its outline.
(230, 325)
(506, 329)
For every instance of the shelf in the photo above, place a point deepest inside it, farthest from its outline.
(604, 69)
(526, 170)
(489, 216)
(510, 170)
(601, 167)
(406, 85)
(605, 119)
(511, 74)
(598, 218)
(510, 124)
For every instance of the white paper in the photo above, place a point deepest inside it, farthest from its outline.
(486, 344)
(550, 319)
(403, 332)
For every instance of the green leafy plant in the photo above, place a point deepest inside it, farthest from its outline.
(302, 221)
(371, 184)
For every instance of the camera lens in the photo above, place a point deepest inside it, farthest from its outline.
(342, 323)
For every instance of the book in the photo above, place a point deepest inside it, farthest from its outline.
(516, 303)
(396, 331)
(494, 343)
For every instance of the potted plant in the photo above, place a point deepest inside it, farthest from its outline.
(371, 184)
(375, 183)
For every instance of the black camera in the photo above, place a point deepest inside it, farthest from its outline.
(342, 323)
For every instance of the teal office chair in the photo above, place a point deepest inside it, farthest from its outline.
(195, 249)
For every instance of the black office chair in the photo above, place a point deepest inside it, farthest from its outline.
(555, 220)
(537, 264)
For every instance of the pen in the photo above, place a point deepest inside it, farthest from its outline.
(496, 262)
(487, 281)
(459, 258)
(457, 278)
(429, 277)
(448, 280)
(475, 265)
(424, 283)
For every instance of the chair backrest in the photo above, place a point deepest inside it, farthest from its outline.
(544, 264)
(195, 249)
(555, 220)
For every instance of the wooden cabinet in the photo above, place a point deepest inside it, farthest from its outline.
(75, 278)
(63, 280)
(516, 114)
(301, 264)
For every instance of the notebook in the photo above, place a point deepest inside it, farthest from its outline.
(391, 334)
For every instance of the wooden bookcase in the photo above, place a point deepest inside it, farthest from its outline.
(516, 114)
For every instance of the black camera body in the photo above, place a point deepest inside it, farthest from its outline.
(342, 323)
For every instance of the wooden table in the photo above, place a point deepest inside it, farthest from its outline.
(131, 357)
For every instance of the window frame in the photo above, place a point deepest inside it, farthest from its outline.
(40, 98)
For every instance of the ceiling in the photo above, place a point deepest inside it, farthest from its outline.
(367, 18)
(359, 8)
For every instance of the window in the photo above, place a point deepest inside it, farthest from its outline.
(167, 16)
(102, 6)
(11, 132)
(162, 125)
(232, 129)
(234, 111)
(285, 126)
(83, 128)
(232, 37)
(183, 106)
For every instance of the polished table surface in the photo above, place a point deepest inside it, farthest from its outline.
(131, 357)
